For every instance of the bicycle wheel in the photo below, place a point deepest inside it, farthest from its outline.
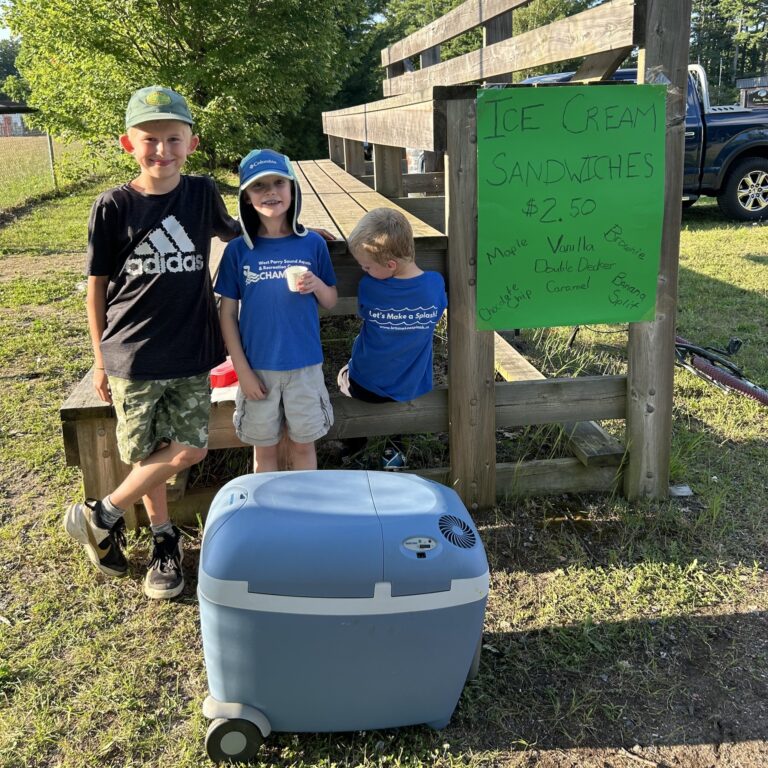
(730, 380)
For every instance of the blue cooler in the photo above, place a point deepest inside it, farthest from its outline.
(336, 601)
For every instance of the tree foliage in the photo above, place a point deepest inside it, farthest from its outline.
(245, 66)
(9, 50)
(729, 38)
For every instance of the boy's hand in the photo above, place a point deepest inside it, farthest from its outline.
(251, 384)
(309, 282)
(324, 233)
(101, 385)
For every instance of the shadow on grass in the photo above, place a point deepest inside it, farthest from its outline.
(680, 680)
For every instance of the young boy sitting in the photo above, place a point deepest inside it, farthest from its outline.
(400, 305)
(271, 326)
(154, 330)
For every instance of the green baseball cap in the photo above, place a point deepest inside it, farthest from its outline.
(156, 103)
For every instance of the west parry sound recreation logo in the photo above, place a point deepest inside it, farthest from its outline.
(165, 249)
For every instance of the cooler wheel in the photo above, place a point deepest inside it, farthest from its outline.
(232, 740)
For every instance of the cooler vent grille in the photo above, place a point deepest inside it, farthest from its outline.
(457, 531)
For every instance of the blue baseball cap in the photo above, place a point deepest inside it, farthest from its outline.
(264, 162)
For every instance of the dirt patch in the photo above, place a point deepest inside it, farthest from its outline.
(14, 266)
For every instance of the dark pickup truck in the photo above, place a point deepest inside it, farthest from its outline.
(726, 149)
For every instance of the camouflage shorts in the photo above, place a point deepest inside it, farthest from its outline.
(150, 413)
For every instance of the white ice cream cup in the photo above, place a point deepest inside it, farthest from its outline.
(292, 275)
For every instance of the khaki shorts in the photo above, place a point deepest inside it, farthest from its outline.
(151, 413)
(295, 398)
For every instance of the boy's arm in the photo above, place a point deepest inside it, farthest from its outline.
(326, 295)
(96, 305)
(250, 383)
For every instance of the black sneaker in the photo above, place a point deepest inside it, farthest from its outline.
(165, 578)
(104, 546)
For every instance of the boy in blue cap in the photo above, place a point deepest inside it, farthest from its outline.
(154, 330)
(272, 327)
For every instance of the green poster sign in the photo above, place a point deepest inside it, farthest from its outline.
(570, 204)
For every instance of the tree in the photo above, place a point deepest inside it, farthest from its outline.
(9, 49)
(245, 66)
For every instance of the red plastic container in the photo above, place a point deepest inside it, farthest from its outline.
(224, 375)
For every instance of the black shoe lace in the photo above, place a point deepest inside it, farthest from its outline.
(164, 555)
(117, 534)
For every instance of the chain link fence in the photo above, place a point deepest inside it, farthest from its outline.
(26, 166)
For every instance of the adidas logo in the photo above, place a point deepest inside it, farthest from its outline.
(165, 249)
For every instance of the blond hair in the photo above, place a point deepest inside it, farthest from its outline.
(383, 234)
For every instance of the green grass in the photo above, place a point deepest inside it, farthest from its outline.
(26, 169)
(609, 623)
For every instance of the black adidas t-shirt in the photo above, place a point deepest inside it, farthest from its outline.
(161, 313)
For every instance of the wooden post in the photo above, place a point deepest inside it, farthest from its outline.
(100, 461)
(433, 161)
(471, 397)
(388, 170)
(354, 158)
(336, 149)
(651, 345)
(494, 31)
(52, 161)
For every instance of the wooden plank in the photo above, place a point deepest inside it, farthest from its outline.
(651, 345)
(411, 120)
(542, 478)
(313, 212)
(354, 157)
(336, 149)
(517, 404)
(494, 31)
(319, 182)
(71, 450)
(553, 401)
(217, 251)
(471, 435)
(430, 210)
(388, 170)
(83, 402)
(424, 233)
(600, 66)
(176, 486)
(555, 476)
(510, 364)
(424, 182)
(592, 445)
(530, 478)
(466, 16)
(345, 181)
(605, 27)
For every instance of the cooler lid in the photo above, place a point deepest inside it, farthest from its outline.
(429, 538)
(302, 534)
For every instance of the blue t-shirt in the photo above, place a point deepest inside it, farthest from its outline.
(279, 329)
(392, 355)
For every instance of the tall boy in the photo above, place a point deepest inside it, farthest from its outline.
(154, 330)
(273, 332)
(400, 305)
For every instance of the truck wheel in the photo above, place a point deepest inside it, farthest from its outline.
(232, 740)
(744, 195)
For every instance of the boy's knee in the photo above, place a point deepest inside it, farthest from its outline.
(302, 449)
(189, 455)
